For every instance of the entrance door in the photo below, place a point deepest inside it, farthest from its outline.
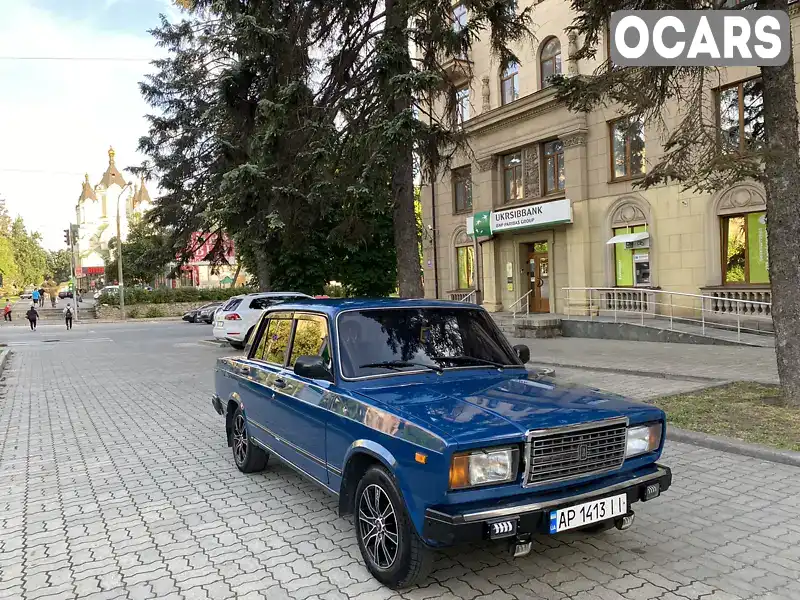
(538, 273)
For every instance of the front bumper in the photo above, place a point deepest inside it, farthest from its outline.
(446, 527)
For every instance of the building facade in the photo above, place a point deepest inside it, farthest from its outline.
(546, 199)
(96, 217)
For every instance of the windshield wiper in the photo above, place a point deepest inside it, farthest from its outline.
(400, 364)
(464, 358)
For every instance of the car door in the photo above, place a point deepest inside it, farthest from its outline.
(298, 417)
(287, 409)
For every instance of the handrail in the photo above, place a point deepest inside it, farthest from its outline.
(527, 305)
(470, 295)
(641, 301)
(654, 291)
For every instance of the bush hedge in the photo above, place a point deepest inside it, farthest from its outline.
(170, 296)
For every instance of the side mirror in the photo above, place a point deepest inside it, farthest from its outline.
(312, 367)
(523, 353)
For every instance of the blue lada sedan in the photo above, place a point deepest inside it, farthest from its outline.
(424, 422)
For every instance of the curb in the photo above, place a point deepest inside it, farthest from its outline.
(635, 372)
(714, 442)
(4, 356)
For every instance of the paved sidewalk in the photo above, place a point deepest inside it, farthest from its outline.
(722, 363)
(115, 482)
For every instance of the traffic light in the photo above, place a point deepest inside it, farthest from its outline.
(66, 237)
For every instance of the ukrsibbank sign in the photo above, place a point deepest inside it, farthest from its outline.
(522, 217)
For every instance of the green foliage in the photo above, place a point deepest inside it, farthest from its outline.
(146, 253)
(29, 255)
(133, 312)
(59, 265)
(170, 296)
(153, 312)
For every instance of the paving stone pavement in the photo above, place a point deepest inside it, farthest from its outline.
(115, 482)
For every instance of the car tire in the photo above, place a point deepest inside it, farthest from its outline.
(237, 345)
(399, 563)
(248, 457)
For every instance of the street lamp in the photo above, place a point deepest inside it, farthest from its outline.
(119, 255)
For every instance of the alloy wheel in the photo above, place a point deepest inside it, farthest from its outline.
(377, 523)
(239, 439)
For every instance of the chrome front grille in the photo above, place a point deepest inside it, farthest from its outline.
(572, 452)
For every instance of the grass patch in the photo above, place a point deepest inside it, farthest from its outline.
(751, 412)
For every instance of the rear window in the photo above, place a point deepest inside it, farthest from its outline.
(266, 302)
(232, 303)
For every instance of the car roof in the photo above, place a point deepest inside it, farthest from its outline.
(274, 295)
(334, 306)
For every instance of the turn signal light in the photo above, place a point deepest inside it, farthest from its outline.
(459, 472)
(233, 317)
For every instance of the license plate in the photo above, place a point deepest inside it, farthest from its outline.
(588, 513)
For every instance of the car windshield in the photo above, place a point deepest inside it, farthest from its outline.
(392, 340)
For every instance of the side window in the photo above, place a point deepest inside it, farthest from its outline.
(311, 338)
(274, 342)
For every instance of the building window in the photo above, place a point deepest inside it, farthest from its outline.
(509, 84)
(512, 177)
(462, 189)
(553, 164)
(631, 265)
(462, 105)
(627, 148)
(459, 17)
(465, 256)
(550, 60)
(745, 256)
(740, 114)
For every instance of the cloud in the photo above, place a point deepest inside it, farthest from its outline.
(58, 117)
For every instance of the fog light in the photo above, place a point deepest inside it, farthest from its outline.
(652, 491)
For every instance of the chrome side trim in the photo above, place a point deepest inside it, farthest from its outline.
(480, 515)
(335, 471)
(294, 447)
(300, 471)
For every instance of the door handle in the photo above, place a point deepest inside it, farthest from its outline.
(280, 383)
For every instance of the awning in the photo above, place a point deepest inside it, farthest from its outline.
(629, 237)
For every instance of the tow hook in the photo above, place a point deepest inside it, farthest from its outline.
(625, 521)
(521, 546)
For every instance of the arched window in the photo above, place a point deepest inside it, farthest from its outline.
(465, 261)
(509, 83)
(550, 60)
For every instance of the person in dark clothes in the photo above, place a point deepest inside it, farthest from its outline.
(33, 316)
(68, 316)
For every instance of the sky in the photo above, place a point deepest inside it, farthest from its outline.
(58, 118)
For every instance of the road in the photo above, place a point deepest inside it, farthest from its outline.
(115, 482)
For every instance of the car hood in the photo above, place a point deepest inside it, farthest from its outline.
(477, 410)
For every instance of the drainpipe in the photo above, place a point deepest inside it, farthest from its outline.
(433, 223)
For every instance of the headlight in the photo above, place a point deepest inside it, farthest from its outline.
(643, 439)
(483, 467)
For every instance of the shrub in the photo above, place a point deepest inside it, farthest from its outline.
(170, 296)
(134, 313)
(153, 312)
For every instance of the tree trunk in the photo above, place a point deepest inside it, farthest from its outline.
(236, 275)
(262, 266)
(406, 235)
(782, 183)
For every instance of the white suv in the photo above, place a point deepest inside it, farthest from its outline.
(235, 320)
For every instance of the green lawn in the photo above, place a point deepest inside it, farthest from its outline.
(751, 412)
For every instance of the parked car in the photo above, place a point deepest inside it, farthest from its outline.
(65, 293)
(424, 422)
(193, 316)
(206, 315)
(239, 315)
(26, 295)
(109, 289)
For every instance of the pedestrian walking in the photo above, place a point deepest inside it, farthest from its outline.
(68, 316)
(35, 297)
(7, 311)
(33, 316)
